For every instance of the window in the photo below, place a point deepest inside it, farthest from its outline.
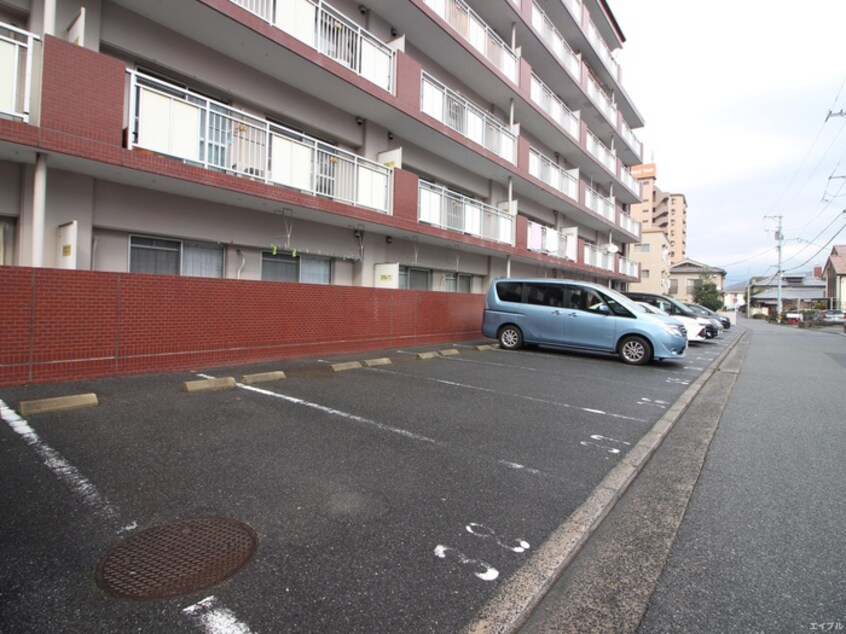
(510, 291)
(641, 248)
(285, 267)
(544, 295)
(160, 256)
(458, 283)
(693, 284)
(644, 274)
(415, 279)
(674, 287)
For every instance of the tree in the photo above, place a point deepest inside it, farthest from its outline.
(707, 294)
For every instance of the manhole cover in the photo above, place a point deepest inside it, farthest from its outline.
(176, 559)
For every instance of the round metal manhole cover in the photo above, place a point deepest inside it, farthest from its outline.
(176, 559)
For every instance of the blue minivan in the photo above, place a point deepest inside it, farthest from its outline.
(576, 314)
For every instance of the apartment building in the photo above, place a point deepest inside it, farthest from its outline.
(652, 254)
(420, 144)
(660, 209)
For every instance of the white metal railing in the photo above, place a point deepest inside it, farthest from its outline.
(543, 168)
(601, 48)
(326, 29)
(543, 239)
(629, 180)
(629, 137)
(598, 149)
(16, 51)
(483, 38)
(171, 120)
(599, 258)
(627, 223)
(627, 267)
(444, 208)
(556, 42)
(555, 107)
(517, 3)
(575, 9)
(603, 205)
(456, 112)
(602, 100)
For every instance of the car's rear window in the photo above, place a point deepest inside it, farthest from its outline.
(510, 291)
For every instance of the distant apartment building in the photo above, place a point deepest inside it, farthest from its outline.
(663, 210)
(652, 253)
(413, 144)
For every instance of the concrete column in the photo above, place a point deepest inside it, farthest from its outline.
(49, 26)
(39, 209)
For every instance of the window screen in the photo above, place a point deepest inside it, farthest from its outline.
(281, 267)
(202, 260)
(152, 255)
(315, 270)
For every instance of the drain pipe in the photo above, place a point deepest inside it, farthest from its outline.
(241, 266)
(39, 204)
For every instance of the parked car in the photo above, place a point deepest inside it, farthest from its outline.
(699, 309)
(833, 316)
(674, 307)
(576, 314)
(696, 328)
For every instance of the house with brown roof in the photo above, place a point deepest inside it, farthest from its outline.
(834, 274)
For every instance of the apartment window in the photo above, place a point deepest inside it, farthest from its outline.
(644, 274)
(641, 248)
(692, 285)
(161, 256)
(458, 283)
(674, 287)
(284, 267)
(415, 279)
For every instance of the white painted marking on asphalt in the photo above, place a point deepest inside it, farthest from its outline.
(501, 393)
(129, 527)
(214, 619)
(488, 574)
(518, 467)
(619, 442)
(677, 381)
(613, 450)
(648, 401)
(58, 465)
(480, 530)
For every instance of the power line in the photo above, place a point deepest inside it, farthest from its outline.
(825, 246)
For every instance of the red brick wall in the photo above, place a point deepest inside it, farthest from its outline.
(70, 325)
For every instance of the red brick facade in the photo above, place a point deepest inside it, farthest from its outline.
(70, 325)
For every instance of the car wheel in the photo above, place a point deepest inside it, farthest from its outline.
(510, 338)
(635, 350)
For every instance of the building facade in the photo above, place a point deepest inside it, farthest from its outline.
(418, 144)
(834, 274)
(663, 210)
(687, 276)
(652, 254)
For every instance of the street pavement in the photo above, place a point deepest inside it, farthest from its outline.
(736, 524)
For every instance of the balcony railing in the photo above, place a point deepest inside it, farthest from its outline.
(575, 9)
(602, 100)
(550, 103)
(326, 29)
(16, 50)
(627, 223)
(176, 122)
(603, 205)
(629, 180)
(440, 207)
(601, 48)
(627, 267)
(601, 152)
(599, 258)
(543, 239)
(454, 111)
(556, 42)
(542, 168)
(480, 36)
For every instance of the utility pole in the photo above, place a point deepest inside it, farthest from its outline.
(831, 114)
(779, 236)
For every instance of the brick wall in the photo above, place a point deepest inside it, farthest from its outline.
(69, 325)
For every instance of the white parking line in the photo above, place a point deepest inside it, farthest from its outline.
(215, 619)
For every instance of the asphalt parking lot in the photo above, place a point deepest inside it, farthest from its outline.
(398, 497)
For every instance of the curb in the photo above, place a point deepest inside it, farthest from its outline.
(57, 404)
(522, 593)
(205, 385)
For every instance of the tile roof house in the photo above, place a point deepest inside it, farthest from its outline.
(834, 275)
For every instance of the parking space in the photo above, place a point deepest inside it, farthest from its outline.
(389, 498)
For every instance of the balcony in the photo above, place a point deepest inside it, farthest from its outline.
(601, 152)
(555, 41)
(600, 204)
(440, 207)
(601, 48)
(170, 120)
(631, 139)
(457, 113)
(330, 32)
(596, 257)
(629, 180)
(480, 36)
(16, 50)
(601, 100)
(629, 224)
(565, 181)
(543, 239)
(549, 102)
(627, 267)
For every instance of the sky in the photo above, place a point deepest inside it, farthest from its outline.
(734, 95)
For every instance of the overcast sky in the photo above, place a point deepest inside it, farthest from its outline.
(735, 95)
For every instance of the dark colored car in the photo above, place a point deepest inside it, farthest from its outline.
(672, 307)
(699, 309)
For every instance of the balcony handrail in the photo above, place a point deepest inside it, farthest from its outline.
(543, 239)
(491, 46)
(223, 138)
(603, 205)
(629, 180)
(464, 214)
(594, 256)
(601, 48)
(630, 137)
(627, 223)
(552, 36)
(551, 103)
(603, 101)
(552, 174)
(601, 151)
(455, 112)
(344, 47)
(627, 267)
(17, 104)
